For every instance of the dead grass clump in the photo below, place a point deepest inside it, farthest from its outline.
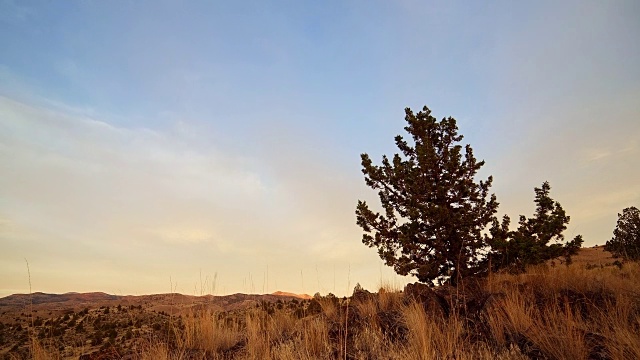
(313, 339)
(40, 351)
(369, 343)
(281, 326)
(559, 333)
(329, 306)
(258, 339)
(213, 333)
(158, 351)
(430, 338)
(389, 296)
(367, 310)
(618, 325)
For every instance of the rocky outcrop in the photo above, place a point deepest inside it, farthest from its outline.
(434, 304)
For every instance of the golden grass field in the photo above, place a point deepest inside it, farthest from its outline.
(588, 310)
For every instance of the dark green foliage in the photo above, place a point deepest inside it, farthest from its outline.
(434, 210)
(314, 307)
(626, 236)
(264, 305)
(358, 288)
(530, 243)
(57, 331)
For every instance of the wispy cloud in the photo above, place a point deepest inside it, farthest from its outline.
(126, 193)
(147, 140)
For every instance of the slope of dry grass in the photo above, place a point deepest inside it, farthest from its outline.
(550, 312)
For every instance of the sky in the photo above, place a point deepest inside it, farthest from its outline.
(214, 146)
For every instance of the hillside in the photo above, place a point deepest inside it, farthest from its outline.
(161, 302)
(587, 310)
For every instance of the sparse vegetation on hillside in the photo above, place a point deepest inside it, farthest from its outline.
(588, 310)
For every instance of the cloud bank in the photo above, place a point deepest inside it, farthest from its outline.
(95, 202)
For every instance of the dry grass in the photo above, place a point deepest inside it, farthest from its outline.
(158, 351)
(594, 256)
(550, 312)
(209, 332)
(569, 312)
(40, 351)
(431, 338)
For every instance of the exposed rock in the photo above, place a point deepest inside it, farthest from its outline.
(361, 295)
(434, 304)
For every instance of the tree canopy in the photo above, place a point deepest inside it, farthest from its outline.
(626, 236)
(434, 210)
(530, 243)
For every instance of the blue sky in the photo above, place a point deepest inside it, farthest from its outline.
(148, 140)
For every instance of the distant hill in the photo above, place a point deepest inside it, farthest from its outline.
(42, 298)
(162, 302)
(178, 302)
(299, 296)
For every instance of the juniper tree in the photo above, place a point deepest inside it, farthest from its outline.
(434, 209)
(536, 240)
(626, 236)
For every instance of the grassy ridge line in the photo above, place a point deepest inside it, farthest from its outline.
(549, 312)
